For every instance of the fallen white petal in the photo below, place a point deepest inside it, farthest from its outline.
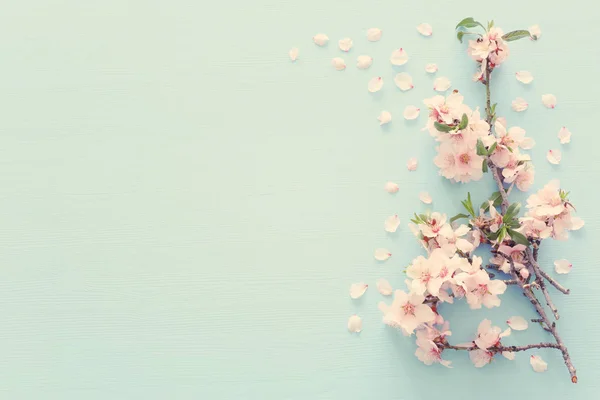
(562, 266)
(549, 100)
(391, 223)
(425, 197)
(431, 68)
(382, 254)
(355, 324)
(524, 77)
(391, 187)
(441, 84)
(577, 223)
(294, 54)
(384, 118)
(517, 323)
(384, 287)
(364, 62)
(399, 57)
(425, 29)
(519, 104)
(411, 164)
(411, 112)
(508, 355)
(320, 39)
(338, 63)
(535, 30)
(375, 84)
(345, 44)
(564, 135)
(404, 81)
(554, 156)
(374, 34)
(358, 289)
(506, 332)
(538, 364)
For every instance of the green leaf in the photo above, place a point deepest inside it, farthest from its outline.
(501, 234)
(516, 35)
(511, 212)
(490, 24)
(518, 237)
(493, 108)
(481, 151)
(458, 216)
(484, 166)
(423, 217)
(469, 22)
(495, 198)
(468, 205)
(492, 148)
(464, 121)
(459, 35)
(443, 127)
(509, 148)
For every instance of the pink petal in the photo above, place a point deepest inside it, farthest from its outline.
(364, 62)
(564, 135)
(404, 81)
(535, 31)
(524, 272)
(549, 100)
(384, 118)
(338, 63)
(577, 223)
(509, 355)
(375, 84)
(382, 254)
(411, 112)
(554, 156)
(293, 53)
(320, 39)
(345, 44)
(384, 287)
(412, 164)
(391, 187)
(519, 104)
(425, 197)
(399, 57)
(538, 364)
(391, 223)
(506, 333)
(425, 29)
(374, 34)
(358, 289)
(524, 77)
(517, 323)
(355, 324)
(441, 84)
(431, 68)
(562, 266)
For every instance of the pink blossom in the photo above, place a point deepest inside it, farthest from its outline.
(490, 46)
(429, 353)
(488, 335)
(480, 290)
(459, 163)
(480, 358)
(407, 311)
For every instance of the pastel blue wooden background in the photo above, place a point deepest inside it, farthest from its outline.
(183, 209)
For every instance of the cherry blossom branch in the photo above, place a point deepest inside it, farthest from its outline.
(541, 282)
(503, 348)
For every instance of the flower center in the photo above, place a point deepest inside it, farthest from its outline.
(409, 309)
(464, 158)
(444, 272)
(481, 290)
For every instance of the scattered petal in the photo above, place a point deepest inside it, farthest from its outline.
(358, 289)
(517, 323)
(425, 197)
(554, 156)
(425, 29)
(538, 364)
(320, 39)
(549, 100)
(577, 223)
(506, 333)
(404, 81)
(391, 187)
(384, 118)
(384, 287)
(375, 84)
(338, 63)
(294, 53)
(519, 104)
(441, 84)
(431, 68)
(508, 355)
(355, 324)
(411, 164)
(562, 266)
(564, 135)
(535, 31)
(391, 223)
(524, 77)
(345, 44)
(382, 254)
(374, 34)
(411, 112)
(364, 62)
(399, 57)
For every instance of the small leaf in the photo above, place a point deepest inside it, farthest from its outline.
(463, 122)
(511, 212)
(490, 24)
(519, 238)
(493, 108)
(495, 198)
(469, 22)
(442, 127)
(481, 151)
(458, 216)
(516, 35)
(484, 166)
(459, 35)
(492, 148)
(501, 234)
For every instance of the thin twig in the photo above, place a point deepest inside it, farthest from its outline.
(503, 348)
(541, 283)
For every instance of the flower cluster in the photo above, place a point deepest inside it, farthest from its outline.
(488, 48)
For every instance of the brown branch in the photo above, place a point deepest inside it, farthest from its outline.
(540, 281)
(496, 349)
